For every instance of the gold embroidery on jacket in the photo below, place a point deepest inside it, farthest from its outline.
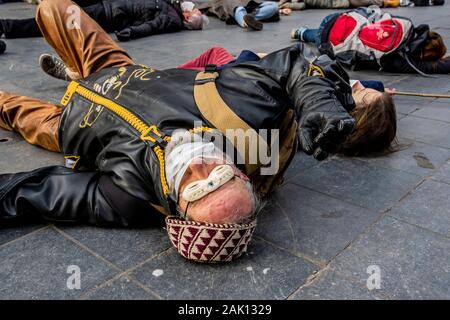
(140, 74)
(92, 116)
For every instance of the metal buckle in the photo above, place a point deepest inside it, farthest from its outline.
(211, 68)
(154, 138)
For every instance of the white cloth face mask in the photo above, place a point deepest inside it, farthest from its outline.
(181, 156)
(179, 159)
(218, 177)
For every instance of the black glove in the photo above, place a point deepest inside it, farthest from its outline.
(124, 35)
(321, 133)
(324, 123)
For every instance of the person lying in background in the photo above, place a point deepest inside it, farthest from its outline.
(424, 3)
(381, 42)
(28, 1)
(294, 5)
(345, 4)
(248, 14)
(130, 19)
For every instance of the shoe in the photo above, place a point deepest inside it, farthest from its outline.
(54, 67)
(2, 47)
(297, 34)
(251, 22)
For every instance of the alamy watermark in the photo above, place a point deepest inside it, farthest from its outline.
(374, 280)
(74, 18)
(245, 147)
(74, 280)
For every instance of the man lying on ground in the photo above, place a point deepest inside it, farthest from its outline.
(248, 14)
(139, 141)
(130, 19)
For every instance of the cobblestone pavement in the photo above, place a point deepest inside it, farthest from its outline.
(316, 238)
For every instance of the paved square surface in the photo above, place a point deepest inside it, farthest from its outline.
(320, 234)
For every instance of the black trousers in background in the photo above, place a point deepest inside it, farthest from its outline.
(81, 3)
(28, 28)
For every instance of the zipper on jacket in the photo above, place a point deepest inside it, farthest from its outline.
(148, 133)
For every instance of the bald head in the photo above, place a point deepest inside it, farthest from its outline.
(231, 203)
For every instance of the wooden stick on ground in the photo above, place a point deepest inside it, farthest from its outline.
(416, 94)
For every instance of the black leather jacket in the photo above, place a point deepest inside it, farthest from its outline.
(118, 174)
(139, 18)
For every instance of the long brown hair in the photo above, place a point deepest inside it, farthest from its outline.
(375, 130)
(433, 48)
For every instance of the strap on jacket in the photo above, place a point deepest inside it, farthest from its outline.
(160, 209)
(219, 114)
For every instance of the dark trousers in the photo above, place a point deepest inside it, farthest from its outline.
(28, 28)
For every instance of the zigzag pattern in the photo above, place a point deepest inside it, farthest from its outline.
(207, 242)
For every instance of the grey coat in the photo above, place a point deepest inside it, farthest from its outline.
(224, 9)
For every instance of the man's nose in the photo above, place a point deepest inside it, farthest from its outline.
(199, 170)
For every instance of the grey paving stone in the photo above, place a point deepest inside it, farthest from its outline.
(264, 273)
(426, 13)
(443, 174)
(408, 105)
(300, 163)
(416, 83)
(36, 268)
(25, 157)
(388, 79)
(413, 261)
(425, 130)
(428, 206)
(359, 182)
(19, 10)
(121, 289)
(123, 247)
(436, 110)
(413, 157)
(312, 223)
(332, 286)
(13, 233)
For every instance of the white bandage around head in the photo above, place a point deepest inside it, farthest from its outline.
(218, 177)
(187, 6)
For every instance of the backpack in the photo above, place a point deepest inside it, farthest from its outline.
(360, 38)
